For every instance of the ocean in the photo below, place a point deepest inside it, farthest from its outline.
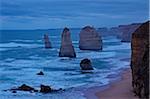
(22, 55)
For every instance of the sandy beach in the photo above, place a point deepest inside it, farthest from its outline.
(117, 90)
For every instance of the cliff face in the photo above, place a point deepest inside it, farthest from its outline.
(124, 32)
(113, 31)
(66, 49)
(90, 39)
(140, 61)
(127, 30)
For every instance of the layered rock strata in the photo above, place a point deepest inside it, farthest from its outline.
(140, 61)
(90, 39)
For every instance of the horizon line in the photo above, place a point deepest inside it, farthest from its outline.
(75, 27)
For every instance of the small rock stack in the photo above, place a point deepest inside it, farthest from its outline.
(47, 42)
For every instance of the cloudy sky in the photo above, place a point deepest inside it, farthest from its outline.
(42, 14)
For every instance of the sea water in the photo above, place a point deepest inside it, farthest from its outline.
(22, 55)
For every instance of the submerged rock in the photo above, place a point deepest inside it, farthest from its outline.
(140, 61)
(25, 87)
(43, 89)
(90, 39)
(66, 49)
(40, 73)
(46, 41)
(86, 64)
(48, 89)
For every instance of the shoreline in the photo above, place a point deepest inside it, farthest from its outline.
(118, 89)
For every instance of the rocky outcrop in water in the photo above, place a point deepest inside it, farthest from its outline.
(90, 39)
(86, 64)
(47, 42)
(40, 73)
(140, 61)
(23, 87)
(45, 89)
(66, 49)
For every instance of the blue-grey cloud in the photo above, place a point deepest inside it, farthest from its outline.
(75, 13)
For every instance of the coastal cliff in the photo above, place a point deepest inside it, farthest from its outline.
(124, 32)
(127, 30)
(140, 61)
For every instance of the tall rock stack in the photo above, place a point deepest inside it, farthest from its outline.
(46, 41)
(90, 39)
(140, 61)
(66, 49)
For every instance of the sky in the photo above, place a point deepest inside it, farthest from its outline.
(46, 14)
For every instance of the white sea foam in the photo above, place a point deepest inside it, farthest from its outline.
(9, 59)
(75, 42)
(93, 54)
(4, 49)
(111, 40)
(53, 37)
(27, 41)
(118, 47)
(12, 44)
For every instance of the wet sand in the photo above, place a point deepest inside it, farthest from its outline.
(121, 89)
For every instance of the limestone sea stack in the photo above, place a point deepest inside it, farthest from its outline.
(47, 42)
(66, 49)
(140, 61)
(90, 39)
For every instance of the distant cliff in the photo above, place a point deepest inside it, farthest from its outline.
(124, 32)
(127, 30)
(140, 61)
